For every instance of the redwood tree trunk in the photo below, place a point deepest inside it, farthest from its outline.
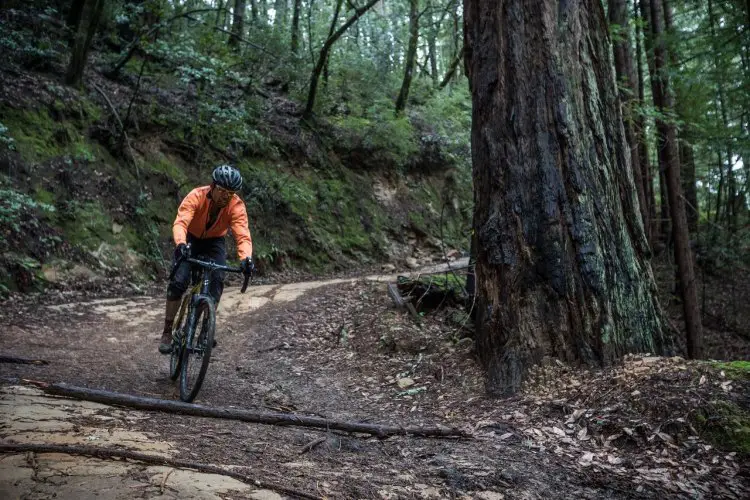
(687, 174)
(669, 158)
(663, 228)
(295, 26)
(411, 55)
(560, 271)
(624, 68)
(238, 24)
(640, 132)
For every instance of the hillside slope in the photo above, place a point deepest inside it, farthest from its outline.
(90, 178)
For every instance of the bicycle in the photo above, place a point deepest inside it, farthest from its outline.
(191, 350)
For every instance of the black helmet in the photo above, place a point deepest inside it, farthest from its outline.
(227, 177)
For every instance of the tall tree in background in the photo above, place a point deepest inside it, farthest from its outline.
(624, 67)
(669, 162)
(730, 208)
(323, 56)
(238, 24)
(560, 272)
(639, 125)
(88, 20)
(411, 56)
(331, 31)
(295, 26)
(664, 228)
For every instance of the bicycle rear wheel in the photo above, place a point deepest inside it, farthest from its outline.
(196, 353)
(178, 338)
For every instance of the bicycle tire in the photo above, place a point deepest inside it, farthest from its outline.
(178, 338)
(197, 349)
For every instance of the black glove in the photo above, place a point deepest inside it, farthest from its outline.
(247, 266)
(181, 252)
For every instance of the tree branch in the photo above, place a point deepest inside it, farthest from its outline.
(22, 361)
(169, 406)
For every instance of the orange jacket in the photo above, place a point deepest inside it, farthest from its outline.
(192, 217)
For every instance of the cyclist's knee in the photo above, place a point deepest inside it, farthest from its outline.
(217, 288)
(176, 289)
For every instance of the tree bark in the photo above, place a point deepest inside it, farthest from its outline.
(331, 31)
(323, 57)
(663, 226)
(624, 68)
(238, 24)
(731, 185)
(295, 26)
(640, 131)
(432, 43)
(73, 18)
(452, 69)
(411, 55)
(687, 173)
(87, 24)
(279, 20)
(560, 271)
(669, 158)
(163, 405)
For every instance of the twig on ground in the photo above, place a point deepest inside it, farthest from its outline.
(23, 361)
(99, 452)
(312, 444)
(164, 481)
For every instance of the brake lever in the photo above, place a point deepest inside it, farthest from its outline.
(179, 261)
(244, 284)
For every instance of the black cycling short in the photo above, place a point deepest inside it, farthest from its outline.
(213, 249)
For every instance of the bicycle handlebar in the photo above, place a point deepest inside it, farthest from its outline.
(213, 267)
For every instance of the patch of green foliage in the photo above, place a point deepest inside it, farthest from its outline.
(39, 137)
(388, 140)
(88, 224)
(19, 215)
(725, 425)
(34, 50)
(734, 369)
(6, 141)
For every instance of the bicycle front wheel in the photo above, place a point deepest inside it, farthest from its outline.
(178, 339)
(196, 353)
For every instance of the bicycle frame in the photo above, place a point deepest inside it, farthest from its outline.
(196, 301)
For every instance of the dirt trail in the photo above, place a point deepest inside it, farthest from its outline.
(330, 348)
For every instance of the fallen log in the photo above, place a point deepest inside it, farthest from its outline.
(23, 361)
(104, 453)
(169, 406)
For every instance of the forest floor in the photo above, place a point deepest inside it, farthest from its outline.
(340, 349)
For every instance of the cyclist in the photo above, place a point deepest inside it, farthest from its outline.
(203, 219)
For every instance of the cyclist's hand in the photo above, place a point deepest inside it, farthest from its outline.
(247, 266)
(181, 252)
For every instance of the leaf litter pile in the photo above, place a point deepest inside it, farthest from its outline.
(646, 426)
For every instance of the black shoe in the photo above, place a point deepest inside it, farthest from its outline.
(165, 346)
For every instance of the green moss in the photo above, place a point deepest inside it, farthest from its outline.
(161, 164)
(43, 196)
(734, 369)
(39, 137)
(725, 425)
(89, 224)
